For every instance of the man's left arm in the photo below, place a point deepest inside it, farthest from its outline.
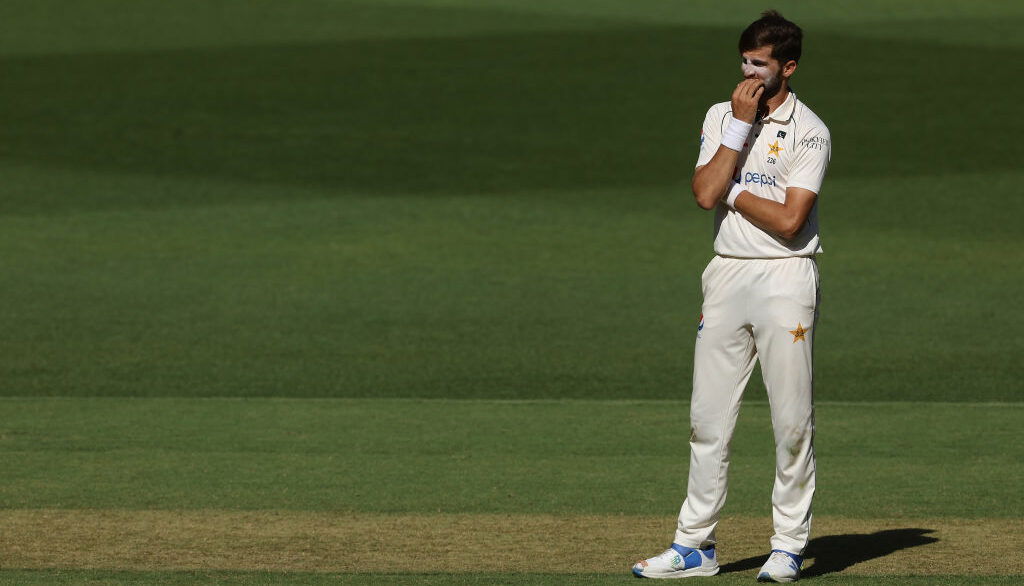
(787, 219)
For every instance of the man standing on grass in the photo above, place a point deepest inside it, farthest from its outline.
(763, 157)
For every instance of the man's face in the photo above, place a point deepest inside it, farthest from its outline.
(759, 64)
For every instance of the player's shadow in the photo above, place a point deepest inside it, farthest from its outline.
(835, 553)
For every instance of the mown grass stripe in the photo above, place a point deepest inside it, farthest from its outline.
(459, 543)
(495, 401)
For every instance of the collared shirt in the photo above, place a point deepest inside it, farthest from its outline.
(790, 147)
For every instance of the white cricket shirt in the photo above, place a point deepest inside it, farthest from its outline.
(791, 147)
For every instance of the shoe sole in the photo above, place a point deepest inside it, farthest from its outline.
(680, 574)
(766, 577)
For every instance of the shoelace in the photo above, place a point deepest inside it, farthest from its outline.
(666, 555)
(779, 557)
(669, 553)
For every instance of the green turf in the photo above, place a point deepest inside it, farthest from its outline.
(935, 460)
(464, 199)
(446, 200)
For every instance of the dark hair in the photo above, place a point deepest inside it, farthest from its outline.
(772, 29)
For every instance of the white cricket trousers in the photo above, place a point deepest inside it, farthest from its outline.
(753, 309)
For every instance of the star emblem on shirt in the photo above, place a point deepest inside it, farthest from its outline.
(799, 333)
(773, 149)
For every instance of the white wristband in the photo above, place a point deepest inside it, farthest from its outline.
(730, 200)
(736, 134)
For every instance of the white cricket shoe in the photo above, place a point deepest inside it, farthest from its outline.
(781, 566)
(678, 562)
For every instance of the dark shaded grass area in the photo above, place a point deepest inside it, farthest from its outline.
(494, 114)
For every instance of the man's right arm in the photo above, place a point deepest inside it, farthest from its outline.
(713, 180)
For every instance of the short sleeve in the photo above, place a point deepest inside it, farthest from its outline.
(710, 137)
(813, 153)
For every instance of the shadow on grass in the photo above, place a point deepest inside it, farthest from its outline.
(835, 553)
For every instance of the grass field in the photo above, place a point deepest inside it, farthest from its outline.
(403, 291)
